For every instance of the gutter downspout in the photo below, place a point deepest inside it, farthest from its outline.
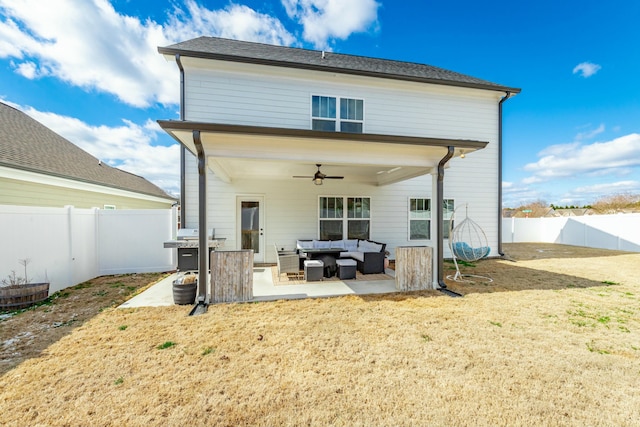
(440, 225)
(203, 244)
(507, 96)
(183, 151)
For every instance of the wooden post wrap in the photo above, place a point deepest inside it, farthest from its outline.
(414, 268)
(231, 276)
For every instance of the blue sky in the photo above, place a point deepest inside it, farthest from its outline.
(89, 70)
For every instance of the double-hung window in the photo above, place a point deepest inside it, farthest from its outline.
(334, 114)
(337, 214)
(351, 115)
(331, 218)
(420, 218)
(358, 217)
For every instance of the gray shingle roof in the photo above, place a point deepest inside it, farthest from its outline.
(258, 53)
(26, 144)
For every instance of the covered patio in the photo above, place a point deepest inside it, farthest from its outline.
(235, 152)
(264, 289)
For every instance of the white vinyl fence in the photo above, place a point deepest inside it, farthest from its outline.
(619, 232)
(68, 246)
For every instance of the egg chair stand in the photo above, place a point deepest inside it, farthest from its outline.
(468, 243)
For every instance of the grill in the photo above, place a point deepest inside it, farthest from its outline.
(187, 246)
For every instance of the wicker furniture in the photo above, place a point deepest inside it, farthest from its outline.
(288, 262)
(368, 254)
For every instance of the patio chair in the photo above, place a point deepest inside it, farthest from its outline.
(288, 262)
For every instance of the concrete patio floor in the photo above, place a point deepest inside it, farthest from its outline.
(161, 294)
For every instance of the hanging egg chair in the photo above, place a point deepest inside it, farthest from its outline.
(468, 242)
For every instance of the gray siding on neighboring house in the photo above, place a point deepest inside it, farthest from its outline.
(29, 193)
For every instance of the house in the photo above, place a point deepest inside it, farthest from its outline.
(261, 125)
(40, 168)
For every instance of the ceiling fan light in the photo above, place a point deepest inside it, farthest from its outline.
(317, 181)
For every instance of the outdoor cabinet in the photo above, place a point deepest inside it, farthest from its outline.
(188, 259)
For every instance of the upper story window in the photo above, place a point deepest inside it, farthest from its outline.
(333, 114)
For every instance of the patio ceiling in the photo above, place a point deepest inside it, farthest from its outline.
(236, 152)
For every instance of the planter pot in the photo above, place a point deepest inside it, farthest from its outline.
(22, 296)
(184, 293)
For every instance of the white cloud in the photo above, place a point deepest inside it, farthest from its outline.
(128, 147)
(531, 180)
(618, 156)
(586, 69)
(90, 45)
(558, 150)
(323, 20)
(588, 194)
(10, 35)
(619, 187)
(234, 22)
(514, 195)
(27, 69)
(590, 134)
(507, 185)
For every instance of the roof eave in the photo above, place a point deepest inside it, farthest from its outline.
(186, 125)
(313, 67)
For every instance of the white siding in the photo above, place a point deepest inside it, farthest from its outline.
(282, 98)
(398, 108)
(291, 210)
(474, 181)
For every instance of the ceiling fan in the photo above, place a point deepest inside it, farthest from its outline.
(318, 177)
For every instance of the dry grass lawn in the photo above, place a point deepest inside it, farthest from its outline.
(553, 341)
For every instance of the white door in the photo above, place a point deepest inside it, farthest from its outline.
(250, 225)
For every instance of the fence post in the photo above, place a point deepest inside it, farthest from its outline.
(513, 229)
(96, 242)
(69, 266)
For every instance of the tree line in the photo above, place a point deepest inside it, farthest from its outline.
(604, 205)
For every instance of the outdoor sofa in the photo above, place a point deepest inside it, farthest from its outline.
(368, 254)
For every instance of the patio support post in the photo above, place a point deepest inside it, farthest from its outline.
(183, 150)
(440, 226)
(203, 241)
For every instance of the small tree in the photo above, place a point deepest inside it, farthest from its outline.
(616, 203)
(13, 279)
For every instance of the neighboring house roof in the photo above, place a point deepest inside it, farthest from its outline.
(574, 212)
(280, 56)
(28, 145)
